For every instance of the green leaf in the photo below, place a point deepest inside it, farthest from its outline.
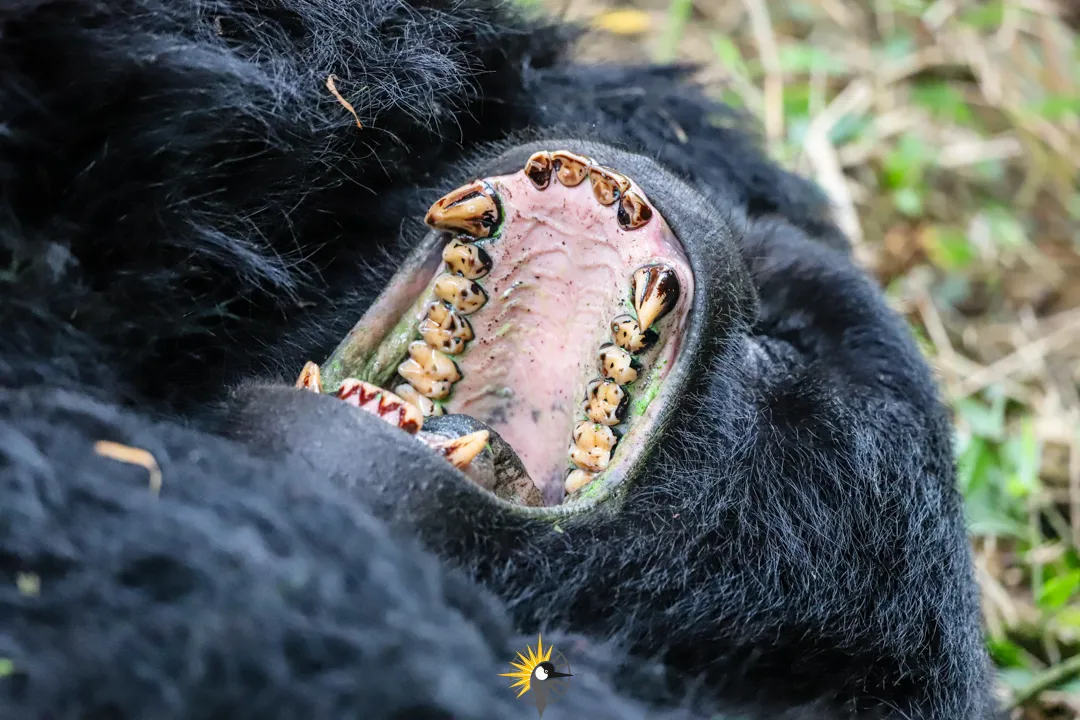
(949, 249)
(1006, 230)
(678, 15)
(6, 667)
(1057, 590)
(909, 201)
(1055, 107)
(944, 101)
(1005, 653)
(984, 16)
(984, 420)
(905, 164)
(804, 59)
(728, 53)
(1024, 454)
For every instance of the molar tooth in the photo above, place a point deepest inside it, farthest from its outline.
(436, 365)
(538, 169)
(589, 435)
(429, 387)
(462, 450)
(576, 480)
(310, 378)
(471, 209)
(468, 260)
(633, 212)
(411, 395)
(594, 460)
(656, 290)
(608, 185)
(445, 329)
(381, 403)
(464, 294)
(617, 364)
(570, 169)
(629, 336)
(606, 402)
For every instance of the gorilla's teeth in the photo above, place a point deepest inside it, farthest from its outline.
(633, 212)
(445, 329)
(576, 480)
(410, 395)
(464, 294)
(538, 169)
(461, 451)
(381, 403)
(595, 460)
(589, 435)
(605, 402)
(468, 260)
(617, 364)
(436, 365)
(310, 378)
(656, 290)
(471, 209)
(426, 385)
(608, 185)
(570, 169)
(628, 334)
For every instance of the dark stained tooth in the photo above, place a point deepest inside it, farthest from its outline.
(410, 395)
(381, 403)
(467, 260)
(538, 169)
(606, 402)
(570, 169)
(576, 480)
(462, 450)
(628, 334)
(608, 185)
(464, 294)
(310, 378)
(437, 365)
(633, 212)
(656, 290)
(471, 209)
(617, 364)
(445, 329)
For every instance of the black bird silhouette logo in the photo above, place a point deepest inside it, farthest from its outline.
(543, 674)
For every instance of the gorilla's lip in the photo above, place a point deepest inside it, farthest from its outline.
(361, 353)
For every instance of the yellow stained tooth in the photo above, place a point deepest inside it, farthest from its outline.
(656, 290)
(467, 260)
(633, 212)
(381, 403)
(589, 435)
(605, 402)
(538, 169)
(445, 329)
(414, 374)
(594, 460)
(608, 185)
(411, 395)
(471, 209)
(576, 480)
(617, 364)
(464, 294)
(570, 169)
(310, 378)
(461, 451)
(628, 334)
(437, 365)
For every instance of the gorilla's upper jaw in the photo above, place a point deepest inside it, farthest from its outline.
(541, 334)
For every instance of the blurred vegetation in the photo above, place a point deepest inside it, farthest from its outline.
(947, 133)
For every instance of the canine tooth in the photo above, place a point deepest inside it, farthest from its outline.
(589, 435)
(462, 450)
(437, 365)
(576, 480)
(617, 364)
(464, 294)
(410, 395)
(633, 212)
(656, 290)
(468, 260)
(310, 378)
(570, 169)
(413, 373)
(471, 209)
(606, 402)
(628, 334)
(594, 460)
(607, 185)
(445, 329)
(381, 403)
(538, 169)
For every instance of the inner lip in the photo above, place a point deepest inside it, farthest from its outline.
(521, 311)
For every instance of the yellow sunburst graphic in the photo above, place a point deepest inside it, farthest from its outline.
(525, 668)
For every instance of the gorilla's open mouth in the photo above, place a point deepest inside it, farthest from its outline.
(537, 337)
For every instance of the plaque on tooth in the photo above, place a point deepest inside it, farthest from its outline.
(633, 212)
(608, 185)
(538, 169)
(471, 209)
(656, 290)
(469, 261)
(570, 169)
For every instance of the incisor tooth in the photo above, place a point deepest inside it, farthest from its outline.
(461, 451)
(538, 169)
(410, 395)
(608, 185)
(468, 260)
(437, 365)
(414, 374)
(656, 290)
(570, 169)
(576, 480)
(471, 209)
(617, 364)
(381, 403)
(445, 329)
(605, 402)
(464, 294)
(633, 212)
(628, 334)
(310, 378)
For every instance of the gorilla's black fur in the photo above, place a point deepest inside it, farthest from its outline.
(185, 206)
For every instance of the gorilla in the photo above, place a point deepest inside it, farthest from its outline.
(576, 361)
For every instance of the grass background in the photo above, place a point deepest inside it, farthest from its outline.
(947, 133)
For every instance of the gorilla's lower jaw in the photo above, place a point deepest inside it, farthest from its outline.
(537, 335)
